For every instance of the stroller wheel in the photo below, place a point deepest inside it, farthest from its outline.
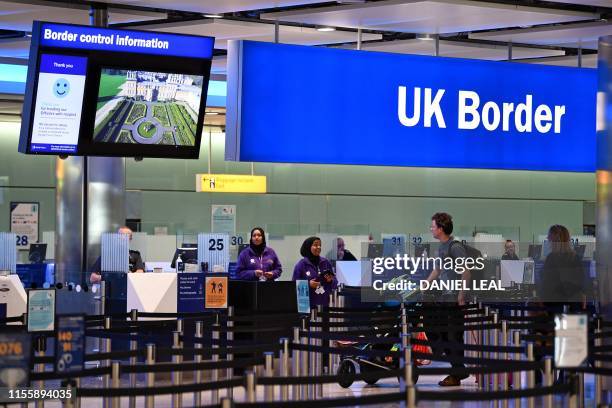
(371, 381)
(346, 372)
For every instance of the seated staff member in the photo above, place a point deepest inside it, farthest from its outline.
(510, 251)
(258, 261)
(135, 259)
(317, 271)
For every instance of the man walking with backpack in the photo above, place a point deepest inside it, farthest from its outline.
(442, 229)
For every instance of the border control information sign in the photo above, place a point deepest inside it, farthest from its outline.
(15, 353)
(303, 296)
(216, 292)
(571, 340)
(41, 310)
(190, 292)
(24, 222)
(70, 343)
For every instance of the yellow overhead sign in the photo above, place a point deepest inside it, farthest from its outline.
(230, 183)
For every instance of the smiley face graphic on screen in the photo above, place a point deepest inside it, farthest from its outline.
(61, 87)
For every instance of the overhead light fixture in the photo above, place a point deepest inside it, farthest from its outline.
(213, 15)
(326, 29)
(426, 37)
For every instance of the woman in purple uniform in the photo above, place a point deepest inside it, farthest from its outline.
(258, 262)
(317, 271)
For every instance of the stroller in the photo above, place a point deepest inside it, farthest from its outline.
(362, 362)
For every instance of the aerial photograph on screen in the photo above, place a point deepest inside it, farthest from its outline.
(141, 107)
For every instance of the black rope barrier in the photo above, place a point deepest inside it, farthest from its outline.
(329, 379)
(90, 372)
(158, 390)
(189, 366)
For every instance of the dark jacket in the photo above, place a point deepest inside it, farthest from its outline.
(562, 279)
(306, 270)
(249, 262)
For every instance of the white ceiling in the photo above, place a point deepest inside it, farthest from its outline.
(572, 35)
(213, 6)
(19, 15)
(433, 17)
(224, 30)
(459, 49)
(15, 48)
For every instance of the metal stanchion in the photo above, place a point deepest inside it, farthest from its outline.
(304, 363)
(530, 375)
(41, 347)
(177, 376)
(598, 378)
(505, 376)
(573, 397)
(548, 381)
(407, 380)
(197, 375)
(284, 367)
(226, 402)
(494, 342)
(215, 357)
(133, 359)
(115, 401)
(311, 355)
(107, 349)
(250, 386)
(150, 377)
(229, 336)
(516, 375)
(269, 373)
(295, 365)
(318, 388)
(581, 395)
(486, 380)
(77, 399)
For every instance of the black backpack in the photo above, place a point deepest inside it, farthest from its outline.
(470, 251)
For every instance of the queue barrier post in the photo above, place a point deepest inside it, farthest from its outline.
(485, 342)
(304, 363)
(296, 370)
(494, 342)
(133, 359)
(505, 376)
(107, 349)
(115, 380)
(250, 386)
(269, 373)
(197, 375)
(573, 397)
(530, 375)
(215, 357)
(598, 378)
(516, 375)
(226, 402)
(229, 336)
(150, 376)
(284, 367)
(319, 355)
(548, 381)
(312, 355)
(581, 395)
(176, 377)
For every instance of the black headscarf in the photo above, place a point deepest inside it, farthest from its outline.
(306, 252)
(258, 249)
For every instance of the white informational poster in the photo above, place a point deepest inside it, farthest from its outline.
(223, 219)
(571, 340)
(24, 223)
(59, 102)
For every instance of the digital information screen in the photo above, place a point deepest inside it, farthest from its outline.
(59, 102)
(141, 107)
